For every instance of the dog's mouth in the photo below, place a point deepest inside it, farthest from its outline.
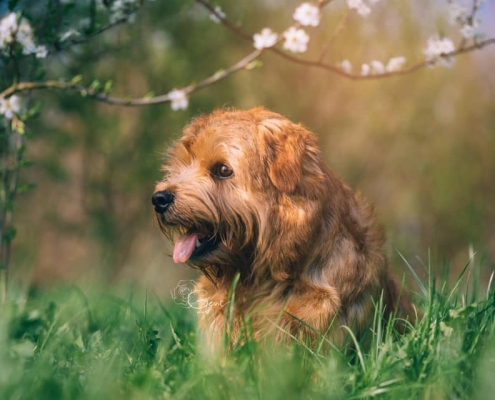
(193, 244)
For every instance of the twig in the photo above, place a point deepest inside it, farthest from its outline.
(89, 92)
(88, 37)
(340, 26)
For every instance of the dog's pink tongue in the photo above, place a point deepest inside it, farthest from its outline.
(184, 246)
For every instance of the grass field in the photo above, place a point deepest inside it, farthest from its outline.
(77, 343)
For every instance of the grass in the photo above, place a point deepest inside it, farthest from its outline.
(71, 343)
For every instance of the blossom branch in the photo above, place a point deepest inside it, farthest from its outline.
(462, 48)
(98, 95)
(93, 34)
(404, 71)
(103, 96)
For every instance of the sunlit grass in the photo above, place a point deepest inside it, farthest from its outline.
(74, 343)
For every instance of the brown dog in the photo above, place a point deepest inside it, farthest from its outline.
(248, 192)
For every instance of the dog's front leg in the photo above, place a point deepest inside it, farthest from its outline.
(309, 313)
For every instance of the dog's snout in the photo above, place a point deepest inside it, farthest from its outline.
(161, 200)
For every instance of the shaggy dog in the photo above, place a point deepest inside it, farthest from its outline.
(247, 194)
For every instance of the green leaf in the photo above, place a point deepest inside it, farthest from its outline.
(108, 88)
(33, 111)
(79, 343)
(77, 79)
(95, 85)
(253, 65)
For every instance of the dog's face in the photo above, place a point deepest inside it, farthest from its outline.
(231, 178)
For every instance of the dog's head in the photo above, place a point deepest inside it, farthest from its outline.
(236, 183)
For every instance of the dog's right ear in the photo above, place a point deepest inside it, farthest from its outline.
(282, 146)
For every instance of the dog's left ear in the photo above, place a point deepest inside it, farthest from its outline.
(282, 145)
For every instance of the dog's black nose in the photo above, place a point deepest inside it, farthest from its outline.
(162, 200)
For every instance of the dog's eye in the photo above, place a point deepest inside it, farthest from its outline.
(222, 171)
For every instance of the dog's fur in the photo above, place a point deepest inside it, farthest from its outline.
(308, 250)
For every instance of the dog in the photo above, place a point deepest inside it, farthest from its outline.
(247, 196)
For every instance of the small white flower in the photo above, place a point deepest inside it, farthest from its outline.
(468, 31)
(395, 64)
(41, 52)
(219, 15)
(307, 14)
(24, 32)
(178, 99)
(436, 50)
(267, 38)
(365, 70)
(28, 47)
(69, 34)
(122, 10)
(296, 40)
(9, 23)
(377, 67)
(346, 66)
(360, 6)
(10, 106)
(363, 10)
(24, 36)
(8, 27)
(457, 14)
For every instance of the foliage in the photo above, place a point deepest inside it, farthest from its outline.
(83, 344)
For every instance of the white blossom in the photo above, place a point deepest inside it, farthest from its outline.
(28, 46)
(296, 40)
(69, 34)
(178, 100)
(10, 106)
(41, 52)
(8, 28)
(219, 15)
(12, 30)
(307, 14)
(469, 30)
(121, 10)
(9, 23)
(377, 67)
(267, 38)
(346, 66)
(24, 32)
(457, 14)
(365, 70)
(436, 50)
(360, 6)
(395, 64)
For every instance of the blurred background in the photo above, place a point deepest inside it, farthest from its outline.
(420, 147)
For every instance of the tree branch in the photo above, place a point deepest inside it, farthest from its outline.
(331, 68)
(98, 95)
